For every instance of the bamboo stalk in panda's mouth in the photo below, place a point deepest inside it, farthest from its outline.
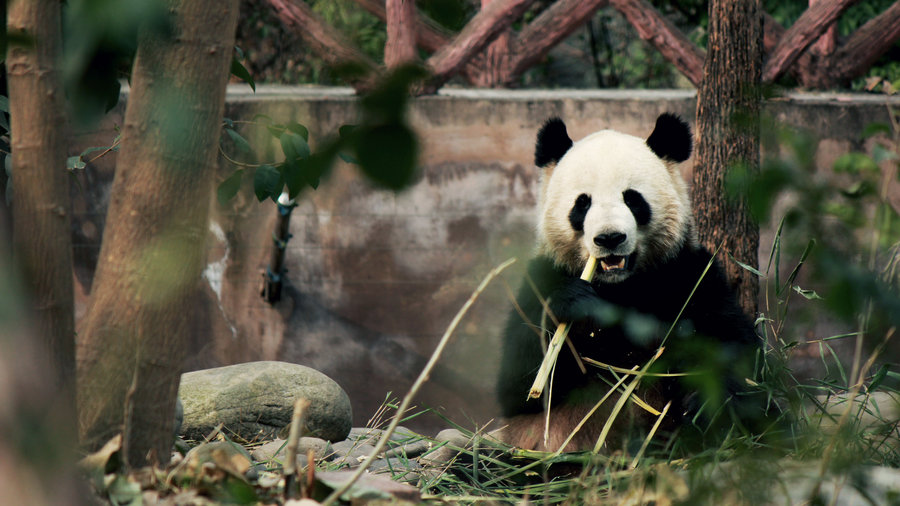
(559, 337)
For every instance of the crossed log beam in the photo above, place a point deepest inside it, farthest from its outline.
(487, 53)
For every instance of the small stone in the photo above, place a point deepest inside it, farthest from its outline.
(365, 435)
(408, 471)
(350, 452)
(369, 486)
(410, 450)
(446, 443)
(454, 437)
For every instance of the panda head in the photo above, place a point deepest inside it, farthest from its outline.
(617, 197)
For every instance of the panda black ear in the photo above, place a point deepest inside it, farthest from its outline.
(552, 142)
(671, 138)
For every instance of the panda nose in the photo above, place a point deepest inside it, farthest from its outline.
(609, 241)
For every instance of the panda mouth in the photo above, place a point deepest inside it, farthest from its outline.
(613, 263)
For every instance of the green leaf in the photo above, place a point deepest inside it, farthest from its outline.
(746, 266)
(388, 154)
(294, 146)
(240, 143)
(875, 129)
(793, 275)
(259, 116)
(123, 491)
(881, 154)
(348, 158)
(299, 129)
(267, 182)
(854, 163)
(807, 294)
(239, 71)
(75, 162)
(229, 188)
(878, 377)
(858, 189)
(4, 103)
(299, 173)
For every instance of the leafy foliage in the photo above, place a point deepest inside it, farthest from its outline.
(382, 144)
(852, 224)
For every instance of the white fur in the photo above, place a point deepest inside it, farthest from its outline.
(603, 165)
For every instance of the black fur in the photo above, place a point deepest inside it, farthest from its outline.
(671, 138)
(579, 211)
(713, 334)
(552, 143)
(638, 205)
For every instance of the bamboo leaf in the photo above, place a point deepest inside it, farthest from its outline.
(229, 188)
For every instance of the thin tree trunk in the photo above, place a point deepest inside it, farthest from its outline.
(400, 47)
(42, 242)
(133, 334)
(728, 107)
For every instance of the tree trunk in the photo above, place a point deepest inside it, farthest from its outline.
(132, 344)
(728, 107)
(42, 242)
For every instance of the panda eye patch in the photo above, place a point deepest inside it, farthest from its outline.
(579, 211)
(638, 206)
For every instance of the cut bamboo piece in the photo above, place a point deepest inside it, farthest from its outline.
(559, 337)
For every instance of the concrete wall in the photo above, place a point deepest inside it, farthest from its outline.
(376, 277)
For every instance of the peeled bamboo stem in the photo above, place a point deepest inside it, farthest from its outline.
(559, 337)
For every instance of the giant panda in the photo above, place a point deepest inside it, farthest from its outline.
(621, 199)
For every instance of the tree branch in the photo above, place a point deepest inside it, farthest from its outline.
(866, 44)
(430, 36)
(400, 47)
(665, 37)
(806, 30)
(546, 31)
(478, 33)
(324, 40)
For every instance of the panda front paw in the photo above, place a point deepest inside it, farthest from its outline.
(574, 301)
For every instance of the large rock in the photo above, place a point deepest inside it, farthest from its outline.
(256, 399)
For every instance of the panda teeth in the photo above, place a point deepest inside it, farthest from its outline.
(612, 263)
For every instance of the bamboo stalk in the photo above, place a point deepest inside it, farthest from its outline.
(559, 337)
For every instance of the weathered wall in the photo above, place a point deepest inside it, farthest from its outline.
(375, 277)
